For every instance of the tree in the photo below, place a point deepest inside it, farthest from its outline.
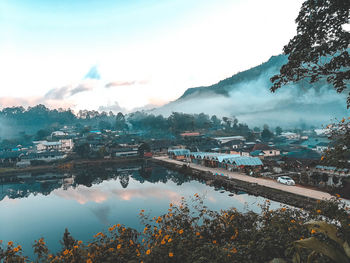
(120, 122)
(266, 134)
(278, 130)
(338, 152)
(143, 148)
(320, 48)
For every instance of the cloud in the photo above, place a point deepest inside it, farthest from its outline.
(125, 83)
(70, 90)
(114, 108)
(58, 93)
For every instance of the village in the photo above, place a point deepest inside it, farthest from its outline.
(290, 154)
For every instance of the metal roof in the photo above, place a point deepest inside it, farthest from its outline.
(178, 152)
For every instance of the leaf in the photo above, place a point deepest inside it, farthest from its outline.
(346, 248)
(327, 250)
(325, 228)
(278, 260)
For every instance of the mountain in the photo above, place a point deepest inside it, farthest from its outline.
(246, 95)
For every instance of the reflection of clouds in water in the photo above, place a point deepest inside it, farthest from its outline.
(99, 194)
(101, 212)
(8, 200)
(83, 194)
(144, 193)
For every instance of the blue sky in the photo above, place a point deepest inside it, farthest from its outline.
(156, 49)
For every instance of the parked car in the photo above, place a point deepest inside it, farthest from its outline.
(285, 180)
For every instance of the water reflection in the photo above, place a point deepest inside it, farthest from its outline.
(88, 201)
(24, 185)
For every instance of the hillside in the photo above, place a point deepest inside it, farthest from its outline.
(246, 95)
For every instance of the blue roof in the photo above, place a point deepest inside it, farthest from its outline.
(228, 158)
(178, 152)
(248, 161)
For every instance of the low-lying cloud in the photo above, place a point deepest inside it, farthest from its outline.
(253, 103)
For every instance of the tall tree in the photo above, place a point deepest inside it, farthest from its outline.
(320, 49)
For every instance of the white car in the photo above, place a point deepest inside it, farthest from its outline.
(285, 180)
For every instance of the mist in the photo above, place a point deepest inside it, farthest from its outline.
(253, 103)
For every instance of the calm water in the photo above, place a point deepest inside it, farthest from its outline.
(90, 201)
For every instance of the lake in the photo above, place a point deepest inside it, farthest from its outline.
(89, 201)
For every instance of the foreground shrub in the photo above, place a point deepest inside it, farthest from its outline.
(193, 233)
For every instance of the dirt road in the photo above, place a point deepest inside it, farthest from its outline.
(299, 190)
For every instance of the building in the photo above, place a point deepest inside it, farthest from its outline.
(126, 152)
(223, 140)
(178, 154)
(63, 145)
(290, 135)
(321, 147)
(265, 150)
(226, 161)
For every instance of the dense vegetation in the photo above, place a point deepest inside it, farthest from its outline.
(22, 126)
(320, 49)
(196, 234)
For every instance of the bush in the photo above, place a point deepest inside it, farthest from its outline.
(193, 233)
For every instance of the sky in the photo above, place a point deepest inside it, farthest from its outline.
(124, 55)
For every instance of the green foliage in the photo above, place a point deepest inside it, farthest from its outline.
(320, 48)
(338, 152)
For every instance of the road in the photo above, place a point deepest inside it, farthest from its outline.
(296, 189)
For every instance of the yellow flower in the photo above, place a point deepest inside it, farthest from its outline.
(119, 246)
(337, 195)
(214, 241)
(65, 252)
(234, 250)
(80, 242)
(171, 205)
(318, 211)
(10, 243)
(88, 261)
(75, 247)
(111, 249)
(162, 242)
(313, 231)
(171, 254)
(181, 231)
(118, 225)
(292, 221)
(16, 249)
(169, 240)
(131, 242)
(148, 252)
(284, 209)
(198, 234)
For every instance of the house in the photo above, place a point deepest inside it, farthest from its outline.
(190, 134)
(266, 150)
(126, 152)
(58, 134)
(223, 140)
(233, 144)
(178, 154)
(40, 156)
(312, 142)
(10, 157)
(63, 145)
(290, 135)
(321, 147)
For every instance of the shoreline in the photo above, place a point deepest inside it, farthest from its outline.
(65, 166)
(253, 188)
